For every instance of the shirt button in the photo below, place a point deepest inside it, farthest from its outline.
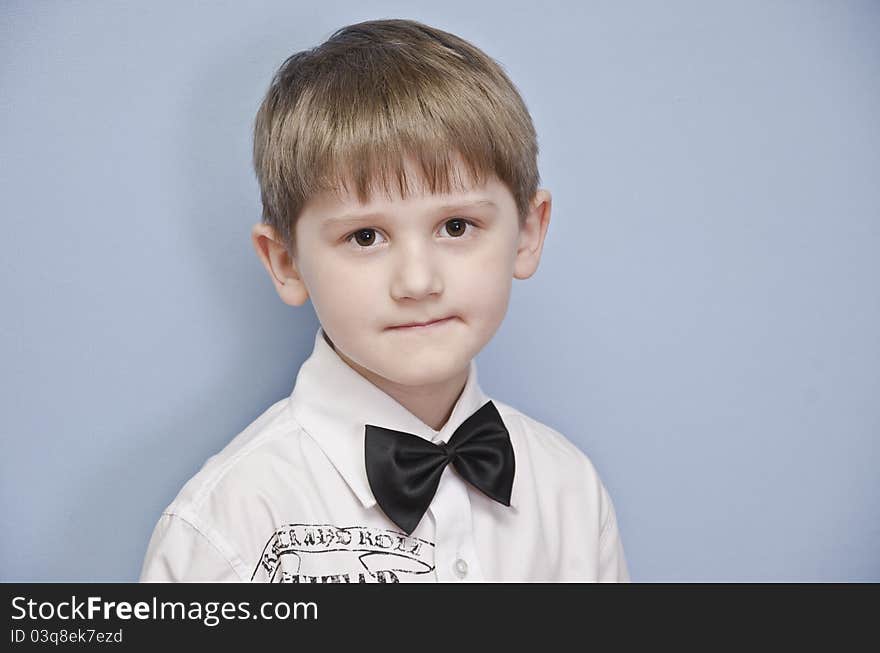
(461, 568)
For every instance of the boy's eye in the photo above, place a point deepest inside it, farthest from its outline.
(365, 238)
(458, 227)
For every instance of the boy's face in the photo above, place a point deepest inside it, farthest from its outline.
(414, 260)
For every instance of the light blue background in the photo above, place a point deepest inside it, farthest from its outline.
(705, 323)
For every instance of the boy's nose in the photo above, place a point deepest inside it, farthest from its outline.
(416, 274)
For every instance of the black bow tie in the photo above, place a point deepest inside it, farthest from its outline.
(404, 470)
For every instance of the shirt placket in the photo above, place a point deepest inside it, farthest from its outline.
(455, 554)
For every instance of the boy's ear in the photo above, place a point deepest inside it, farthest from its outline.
(280, 266)
(531, 236)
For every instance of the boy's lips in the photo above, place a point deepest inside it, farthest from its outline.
(422, 325)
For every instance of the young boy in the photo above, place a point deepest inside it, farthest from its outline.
(398, 170)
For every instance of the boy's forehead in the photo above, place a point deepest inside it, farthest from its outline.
(347, 206)
(344, 204)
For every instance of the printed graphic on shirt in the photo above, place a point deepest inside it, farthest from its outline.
(323, 553)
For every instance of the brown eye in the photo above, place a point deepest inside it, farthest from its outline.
(458, 227)
(365, 237)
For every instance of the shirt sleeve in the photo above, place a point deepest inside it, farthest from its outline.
(612, 561)
(179, 553)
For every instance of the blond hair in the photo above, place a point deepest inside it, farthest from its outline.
(350, 110)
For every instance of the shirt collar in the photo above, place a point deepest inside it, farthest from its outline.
(333, 403)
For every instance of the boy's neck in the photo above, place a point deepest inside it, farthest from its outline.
(432, 403)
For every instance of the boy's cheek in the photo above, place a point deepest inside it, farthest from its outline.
(498, 260)
(489, 277)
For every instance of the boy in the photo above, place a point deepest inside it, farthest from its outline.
(387, 463)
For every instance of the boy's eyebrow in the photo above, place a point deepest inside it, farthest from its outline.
(455, 206)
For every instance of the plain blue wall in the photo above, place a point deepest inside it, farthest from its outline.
(705, 323)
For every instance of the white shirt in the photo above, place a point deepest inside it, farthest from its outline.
(288, 500)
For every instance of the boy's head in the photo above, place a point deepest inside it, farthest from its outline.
(425, 138)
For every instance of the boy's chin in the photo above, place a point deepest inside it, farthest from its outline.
(410, 367)
(410, 380)
(423, 370)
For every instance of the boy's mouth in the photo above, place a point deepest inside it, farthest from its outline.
(424, 325)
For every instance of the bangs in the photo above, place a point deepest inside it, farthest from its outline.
(360, 129)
